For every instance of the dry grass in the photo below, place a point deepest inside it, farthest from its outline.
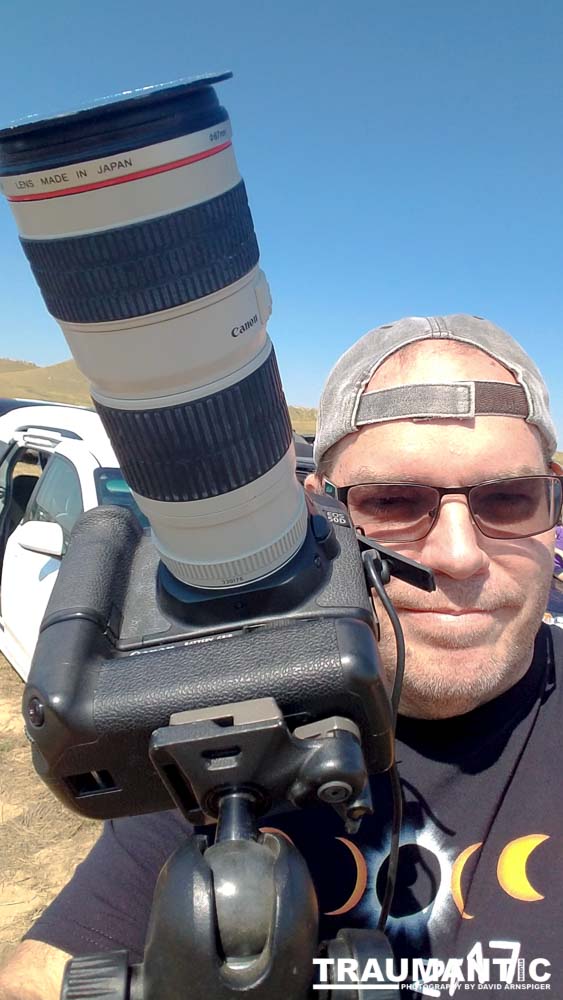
(61, 383)
(41, 842)
(10, 365)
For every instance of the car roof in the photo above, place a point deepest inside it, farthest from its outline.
(8, 403)
(71, 422)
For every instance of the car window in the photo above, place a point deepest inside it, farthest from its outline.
(57, 497)
(112, 488)
(20, 468)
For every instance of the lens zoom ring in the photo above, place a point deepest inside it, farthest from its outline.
(148, 266)
(205, 448)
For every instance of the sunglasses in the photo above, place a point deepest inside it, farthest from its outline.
(406, 512)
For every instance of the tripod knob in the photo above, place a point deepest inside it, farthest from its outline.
(97, 977)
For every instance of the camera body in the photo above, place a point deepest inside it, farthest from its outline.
(123, 646)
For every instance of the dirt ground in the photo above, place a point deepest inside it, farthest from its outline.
(40, 841)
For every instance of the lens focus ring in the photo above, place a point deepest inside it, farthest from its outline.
(207, 447)
(148, 266)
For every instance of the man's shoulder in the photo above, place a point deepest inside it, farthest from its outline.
(554, 634)
(548, 670)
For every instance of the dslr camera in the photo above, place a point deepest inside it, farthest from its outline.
(225, 661)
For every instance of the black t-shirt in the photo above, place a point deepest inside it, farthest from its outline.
(481, 858)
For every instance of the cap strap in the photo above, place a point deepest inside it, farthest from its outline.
(454, 400)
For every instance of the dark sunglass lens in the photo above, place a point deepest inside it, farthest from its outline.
(393, 512)
(515, 508)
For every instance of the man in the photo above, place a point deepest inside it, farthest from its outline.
(437, 434)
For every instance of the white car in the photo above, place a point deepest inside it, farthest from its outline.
(55, 462)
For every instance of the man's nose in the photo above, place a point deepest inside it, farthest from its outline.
(454, 546)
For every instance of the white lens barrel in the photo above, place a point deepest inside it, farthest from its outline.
(186, 534)
(135, 222)
(176, 350)
(127, 198)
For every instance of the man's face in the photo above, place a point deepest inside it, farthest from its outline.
(473, 637)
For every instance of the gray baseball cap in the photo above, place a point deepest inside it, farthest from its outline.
(345, 407)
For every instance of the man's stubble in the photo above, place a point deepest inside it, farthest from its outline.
(449, 674)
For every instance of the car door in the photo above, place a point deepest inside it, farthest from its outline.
(28, 577)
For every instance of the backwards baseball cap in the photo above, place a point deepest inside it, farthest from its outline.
(345, 407)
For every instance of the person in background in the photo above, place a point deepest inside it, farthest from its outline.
(558, 561)
(554, 613)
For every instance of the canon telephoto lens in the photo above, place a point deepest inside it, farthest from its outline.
(135, 221)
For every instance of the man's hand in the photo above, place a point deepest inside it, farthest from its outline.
(34, 972)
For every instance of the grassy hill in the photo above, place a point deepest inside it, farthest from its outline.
(7, 365)
(303, 419)
(63, 383)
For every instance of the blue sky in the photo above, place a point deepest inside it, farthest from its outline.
(400, 157)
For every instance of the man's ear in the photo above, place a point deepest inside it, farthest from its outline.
(313, 483)
(556, 468)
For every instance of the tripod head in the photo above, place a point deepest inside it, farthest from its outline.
(240, 915)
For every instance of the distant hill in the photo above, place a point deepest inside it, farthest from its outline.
(63, 383)
(7, 365)
(303, 419)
